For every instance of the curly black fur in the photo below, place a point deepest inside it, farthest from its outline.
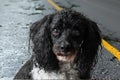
(40, 35)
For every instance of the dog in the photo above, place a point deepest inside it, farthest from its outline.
(65, 45)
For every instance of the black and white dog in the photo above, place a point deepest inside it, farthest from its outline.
(65, 46)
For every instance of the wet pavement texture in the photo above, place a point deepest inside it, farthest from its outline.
(17, 15)
(15, 19)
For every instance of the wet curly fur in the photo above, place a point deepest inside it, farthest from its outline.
(70, 31)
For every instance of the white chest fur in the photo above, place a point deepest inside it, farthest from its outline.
(40, 74)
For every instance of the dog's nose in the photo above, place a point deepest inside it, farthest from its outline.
(65, 47)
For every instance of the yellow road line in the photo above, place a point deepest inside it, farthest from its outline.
(111, 49)
(106, 45)
(54, 5)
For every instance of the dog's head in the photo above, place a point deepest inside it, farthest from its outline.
(66, 36)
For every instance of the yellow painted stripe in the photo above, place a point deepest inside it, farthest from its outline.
(54, 5)
(111, 49)
(106, 45)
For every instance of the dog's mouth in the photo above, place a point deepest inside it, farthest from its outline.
(66, 57)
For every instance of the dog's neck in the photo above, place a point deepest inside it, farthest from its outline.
(66, 66)
(69, 69)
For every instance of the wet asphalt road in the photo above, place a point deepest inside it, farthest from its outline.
(105, 12)
(17, 15)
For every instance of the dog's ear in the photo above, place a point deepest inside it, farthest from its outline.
(36, 27)
(89, 49)
(41, 37)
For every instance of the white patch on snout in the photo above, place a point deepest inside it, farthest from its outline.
(62, 58)
(65, 59)
(68, 58)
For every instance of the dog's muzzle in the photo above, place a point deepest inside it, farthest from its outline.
(64, 51)
(65, 48)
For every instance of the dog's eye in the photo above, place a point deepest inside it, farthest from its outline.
(55, 32)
